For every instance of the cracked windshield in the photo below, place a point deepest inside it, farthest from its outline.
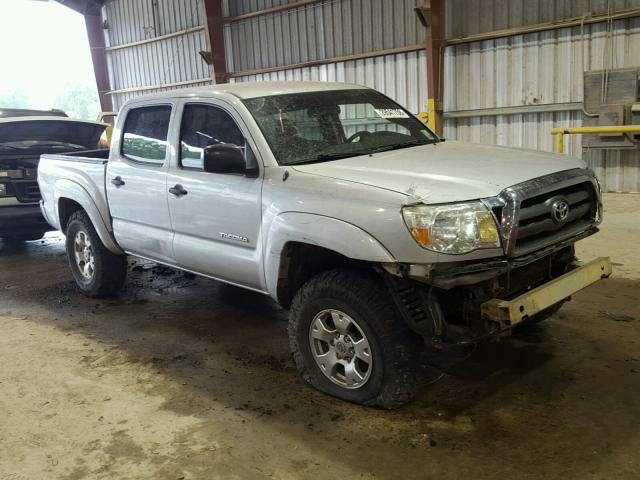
(330, 125)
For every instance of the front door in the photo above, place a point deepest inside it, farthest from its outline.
(137, 184)
(216, 217)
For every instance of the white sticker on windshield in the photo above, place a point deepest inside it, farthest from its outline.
(391, 113)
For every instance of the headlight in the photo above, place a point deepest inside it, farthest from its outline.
(3, 190)
(456, 228)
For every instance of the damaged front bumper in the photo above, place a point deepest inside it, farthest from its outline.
(508, 313)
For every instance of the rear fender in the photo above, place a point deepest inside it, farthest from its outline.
(67, 189)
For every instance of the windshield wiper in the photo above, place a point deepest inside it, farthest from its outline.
(324, 157)
(397, 146)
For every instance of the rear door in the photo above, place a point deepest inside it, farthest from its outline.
(137, 182)
(216, 217)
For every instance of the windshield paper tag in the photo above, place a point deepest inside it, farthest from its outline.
(391, 113)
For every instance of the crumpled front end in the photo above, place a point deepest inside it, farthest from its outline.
(539, 222)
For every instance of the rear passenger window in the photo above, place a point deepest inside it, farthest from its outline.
(145, 134)
(204, 125)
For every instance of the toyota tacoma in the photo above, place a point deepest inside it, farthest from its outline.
(383, 240)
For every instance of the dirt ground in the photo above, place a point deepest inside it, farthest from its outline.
(184, 378)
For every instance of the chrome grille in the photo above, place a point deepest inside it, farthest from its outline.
(536, 223)
(546, 210)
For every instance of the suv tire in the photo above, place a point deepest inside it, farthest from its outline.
(97, 272)
(339, 299)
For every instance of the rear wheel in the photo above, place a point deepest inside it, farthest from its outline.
(96, 271)
(348, 341)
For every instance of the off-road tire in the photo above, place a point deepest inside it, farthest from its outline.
(110, 269)
(395, 349)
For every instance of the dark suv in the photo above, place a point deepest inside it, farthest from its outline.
(24, 136)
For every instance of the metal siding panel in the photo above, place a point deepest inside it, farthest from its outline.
(539, 68)
(162, 62)
(324, 30)
(399, 76)
(486, 15)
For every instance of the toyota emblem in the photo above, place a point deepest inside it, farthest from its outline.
(559, 211)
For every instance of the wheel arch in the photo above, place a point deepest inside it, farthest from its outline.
(301, 245)
(71, 197)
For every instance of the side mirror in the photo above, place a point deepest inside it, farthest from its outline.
(223, 158)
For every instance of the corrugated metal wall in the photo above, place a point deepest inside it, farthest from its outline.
(240, 7)
(324, 30)
(401, 76)
(333, 29)
(329, 29)
(535, 69)
(169, 61)
(488, 15)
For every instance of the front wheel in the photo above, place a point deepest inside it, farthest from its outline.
(97, 271)
(348, 341)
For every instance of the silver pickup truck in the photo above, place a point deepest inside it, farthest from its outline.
(382, 239)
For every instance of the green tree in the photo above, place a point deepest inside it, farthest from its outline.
(14, 99)
(79, 100)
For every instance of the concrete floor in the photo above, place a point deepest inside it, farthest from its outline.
(184, 378)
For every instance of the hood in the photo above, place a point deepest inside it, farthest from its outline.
(51, 129)
(445, 172)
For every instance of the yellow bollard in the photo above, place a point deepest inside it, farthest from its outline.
(560, 142)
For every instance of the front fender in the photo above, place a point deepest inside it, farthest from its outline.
(326, 232)
(73, 191)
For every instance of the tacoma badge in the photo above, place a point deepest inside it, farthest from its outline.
(233, 236)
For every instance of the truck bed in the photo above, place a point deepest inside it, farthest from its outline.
(87, 156)
(80, 172)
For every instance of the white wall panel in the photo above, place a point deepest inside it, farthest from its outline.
(479, 16)
(537, 69)
(401, 76)
(319, 31)
(172, 60)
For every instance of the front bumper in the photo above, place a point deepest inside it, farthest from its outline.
(508, 313)
(22, 220)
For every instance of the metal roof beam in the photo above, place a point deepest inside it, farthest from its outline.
(85, 7)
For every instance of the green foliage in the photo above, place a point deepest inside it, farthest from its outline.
(14, 99)
(79, 100)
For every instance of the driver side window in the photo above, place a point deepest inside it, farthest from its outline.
(204, 125)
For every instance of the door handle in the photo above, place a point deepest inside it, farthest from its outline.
(178, 190)
(118, 182)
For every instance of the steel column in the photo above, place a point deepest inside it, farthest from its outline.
(214, 27)
(431, 15)
(93, 22)
(92, 12)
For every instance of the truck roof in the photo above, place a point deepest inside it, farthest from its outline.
(245, 90)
